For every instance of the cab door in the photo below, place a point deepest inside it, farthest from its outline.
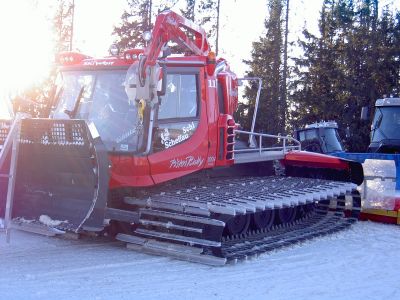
(180, 134)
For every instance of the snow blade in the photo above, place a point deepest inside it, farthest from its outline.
(61, 175)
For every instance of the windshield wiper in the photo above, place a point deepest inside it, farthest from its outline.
(54, 99)
(72, 113)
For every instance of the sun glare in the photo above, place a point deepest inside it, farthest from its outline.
(26, 47)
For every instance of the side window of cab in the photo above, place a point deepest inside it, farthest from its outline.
(178, 112)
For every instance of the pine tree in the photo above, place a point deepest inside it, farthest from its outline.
(134, 21)
(62, 24)
(318, 73)
(189, 11)
(266, 63)
(63, 29)
(351, 64)
(206, 14)
(218, 8)
(138, 18)
(283, 87)
(36, 100)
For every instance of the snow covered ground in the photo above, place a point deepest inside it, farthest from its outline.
(360, 263)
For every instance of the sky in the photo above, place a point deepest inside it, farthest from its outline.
(242, 22)
(25, 32)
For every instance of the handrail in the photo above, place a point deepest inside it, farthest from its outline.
(253, 122)
(285, 139)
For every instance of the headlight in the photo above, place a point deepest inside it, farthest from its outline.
(114, 51)
(146, 36)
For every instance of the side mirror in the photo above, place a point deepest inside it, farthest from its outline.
(162, 86)
(166, 51)
(364, 113)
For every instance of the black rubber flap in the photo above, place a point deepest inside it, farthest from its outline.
(62, 175)
(5, 126)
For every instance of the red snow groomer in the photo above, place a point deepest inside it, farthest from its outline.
(144, 146)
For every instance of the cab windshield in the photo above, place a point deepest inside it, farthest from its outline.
(99, 97)
(324, 139)
(331, 140)
(386, 124)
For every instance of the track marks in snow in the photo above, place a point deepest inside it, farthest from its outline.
(359, 263)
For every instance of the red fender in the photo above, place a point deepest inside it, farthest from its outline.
(351, 170)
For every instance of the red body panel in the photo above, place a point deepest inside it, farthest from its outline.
(198, 152)
(209, 89)
(79, 61)
(228, 90)
(129, 171)
(397, 204)
(229, 85)
(391, 216)
(378, 218)
(188, 156)
(314, 160)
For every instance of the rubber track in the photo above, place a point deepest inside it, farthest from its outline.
(319, 222)
(314, 225)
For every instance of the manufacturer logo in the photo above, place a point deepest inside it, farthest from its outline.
(189, 161)
(98, 63)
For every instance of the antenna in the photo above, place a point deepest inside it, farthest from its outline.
(72, 25)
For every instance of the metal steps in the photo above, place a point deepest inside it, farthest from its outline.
(234, 249)
(187, 253)
(181, 217)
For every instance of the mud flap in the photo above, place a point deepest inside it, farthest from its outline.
(61, 175)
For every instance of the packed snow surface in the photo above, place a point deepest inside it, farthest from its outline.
(362, 262)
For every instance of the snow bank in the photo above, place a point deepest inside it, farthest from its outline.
(378, 193)
(376, 167)
(46, 220)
